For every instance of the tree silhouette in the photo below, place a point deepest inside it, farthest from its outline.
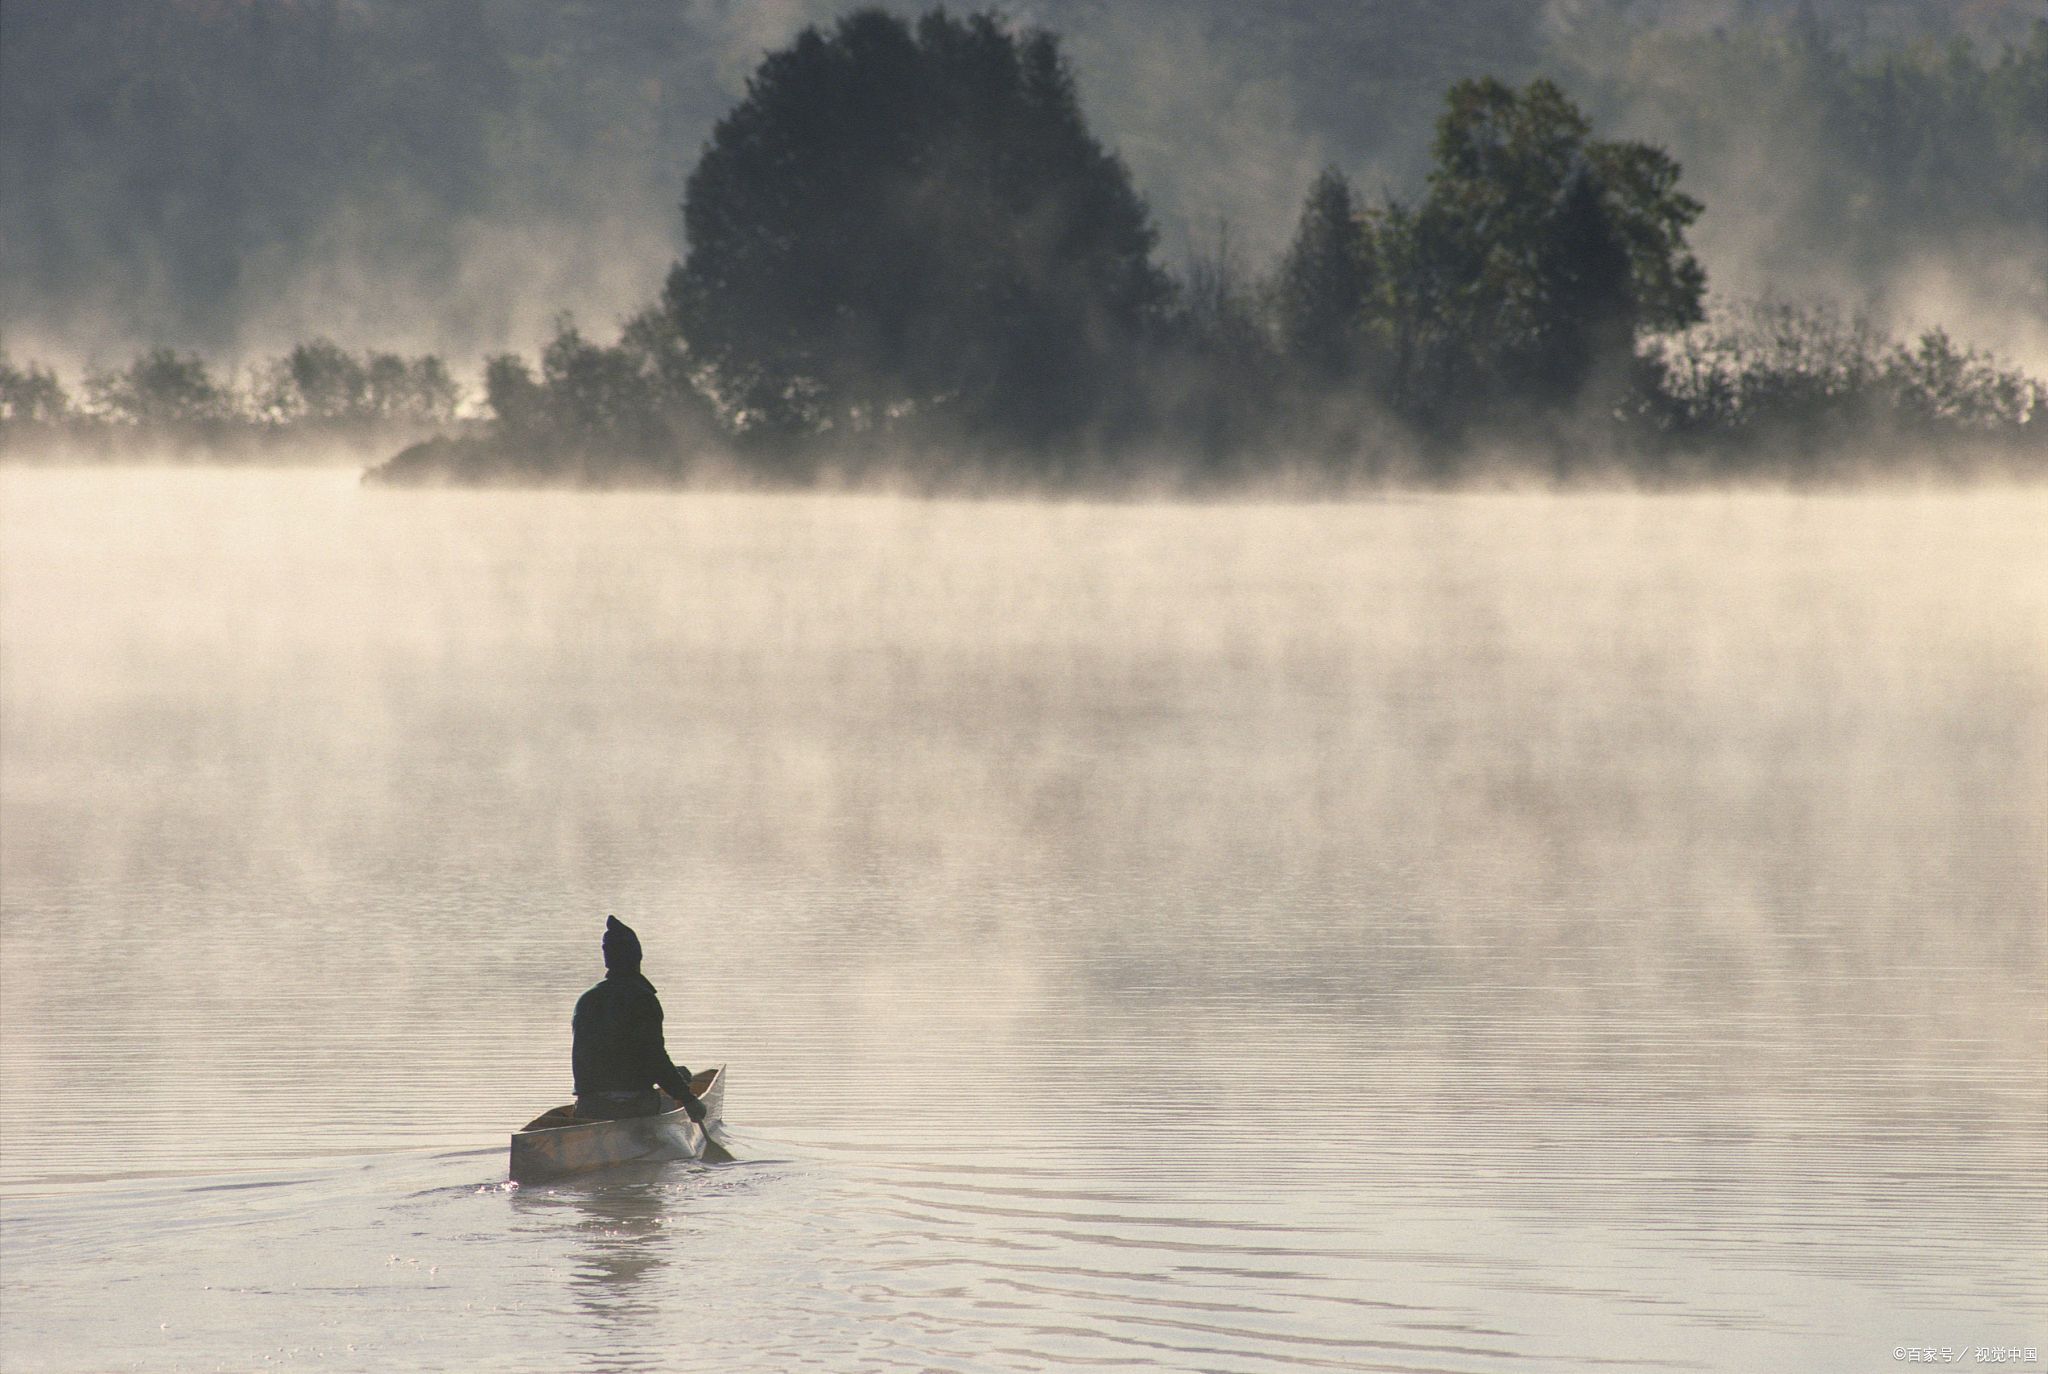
(632, 406)
(31, 396)
(1320, 294)
(161, 390)
(321, 383)
(1588, 314)
(907, 225)
(1535, 257)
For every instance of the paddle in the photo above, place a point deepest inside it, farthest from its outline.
(714, 1153)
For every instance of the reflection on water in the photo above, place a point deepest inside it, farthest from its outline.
(1447, 934)
(621, 1217)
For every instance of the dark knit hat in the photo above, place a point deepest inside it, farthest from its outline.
(621, 945)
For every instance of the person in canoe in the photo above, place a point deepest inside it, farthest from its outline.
(618, 1053)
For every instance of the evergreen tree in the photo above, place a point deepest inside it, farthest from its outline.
(1324, 279)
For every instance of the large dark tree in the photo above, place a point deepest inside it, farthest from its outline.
(913, 224)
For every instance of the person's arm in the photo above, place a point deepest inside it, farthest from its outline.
(675, 1081)
(672, 1078)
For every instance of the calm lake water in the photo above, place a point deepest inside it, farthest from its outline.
(1468, 933)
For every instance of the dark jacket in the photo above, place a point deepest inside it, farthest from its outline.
(618, 1047)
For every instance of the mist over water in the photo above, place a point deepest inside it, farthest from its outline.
(1451, 933)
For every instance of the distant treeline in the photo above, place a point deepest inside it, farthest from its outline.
(908, 254)
(909, 257)
(168, 400)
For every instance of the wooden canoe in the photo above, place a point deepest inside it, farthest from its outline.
(555, 1145)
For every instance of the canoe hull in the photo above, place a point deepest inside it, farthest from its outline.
(562, 1151)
